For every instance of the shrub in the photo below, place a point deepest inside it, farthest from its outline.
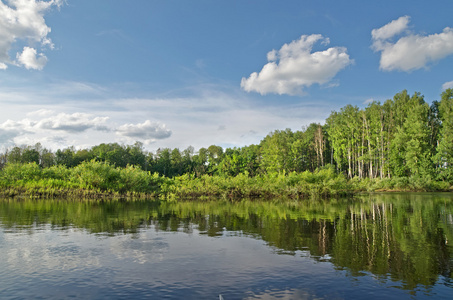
(25, 172)
(97, 175)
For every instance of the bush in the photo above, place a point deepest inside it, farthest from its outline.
(21, 172)
(96, 175)
(134, 179)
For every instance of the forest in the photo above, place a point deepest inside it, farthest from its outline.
(404, 142)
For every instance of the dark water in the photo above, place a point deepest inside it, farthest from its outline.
(396, 246)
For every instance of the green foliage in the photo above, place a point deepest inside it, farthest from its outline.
(134, 179)
(276, 151)
(96, 175)
(322, 183)
(21, 172)
(444, 156)
(396, 139)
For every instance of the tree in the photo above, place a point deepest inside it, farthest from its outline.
(15, 155)
(444, 156)
(177, 167)
(319, 145)
(81, 156)
(232, 163)
(200, 162)
(65, 157)
(410, 147)
(337, 137)
(162, 163)
(251, 159)
(344, 131)
(276, 154)
(136, 155)
(47, 158)
(23, 155)
(187, 155)
(215, 155)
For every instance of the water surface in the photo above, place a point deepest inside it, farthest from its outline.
(394, 246)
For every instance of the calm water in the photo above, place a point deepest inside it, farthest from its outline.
(396, 246)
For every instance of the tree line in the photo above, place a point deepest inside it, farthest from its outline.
(402, 137)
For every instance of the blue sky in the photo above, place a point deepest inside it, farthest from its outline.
(180, 73)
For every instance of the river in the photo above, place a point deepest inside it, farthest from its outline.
(380, 246)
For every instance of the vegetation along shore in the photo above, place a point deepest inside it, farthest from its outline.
(404, 144)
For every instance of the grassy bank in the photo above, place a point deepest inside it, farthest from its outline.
(322, 183)
(100, 180)
(89, 180)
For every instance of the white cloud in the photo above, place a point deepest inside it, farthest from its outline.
(412, 51)
(147, 131)
(47, 127)
(18, 126)
(6, 136)
(73, 123)
(10, 130)
(31, 60)
(23, 20)
(294, 67)
(447, 85)
(391, 29)
(67, 123)
(41, 112)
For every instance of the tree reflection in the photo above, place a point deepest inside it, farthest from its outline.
(401, 237)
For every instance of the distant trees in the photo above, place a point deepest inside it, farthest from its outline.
(28, 154)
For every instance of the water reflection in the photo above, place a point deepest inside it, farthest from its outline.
(399, 240)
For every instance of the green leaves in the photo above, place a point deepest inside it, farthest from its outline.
(444, 156)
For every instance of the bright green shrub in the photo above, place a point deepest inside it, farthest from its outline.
(97, 175)
(26, 172)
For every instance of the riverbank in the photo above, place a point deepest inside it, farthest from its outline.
(98, 180)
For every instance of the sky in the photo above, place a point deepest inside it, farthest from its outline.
(174, 74)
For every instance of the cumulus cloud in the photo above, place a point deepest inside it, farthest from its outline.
(391, 29)
(30, 60)
(47, 126)
(73, 123)
(294, 67)
(23, 20)
(9, 130)
(25, 125)
(447, 85)
(411, 51)
(147, 131)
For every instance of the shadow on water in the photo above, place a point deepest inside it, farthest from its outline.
(404, 238)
